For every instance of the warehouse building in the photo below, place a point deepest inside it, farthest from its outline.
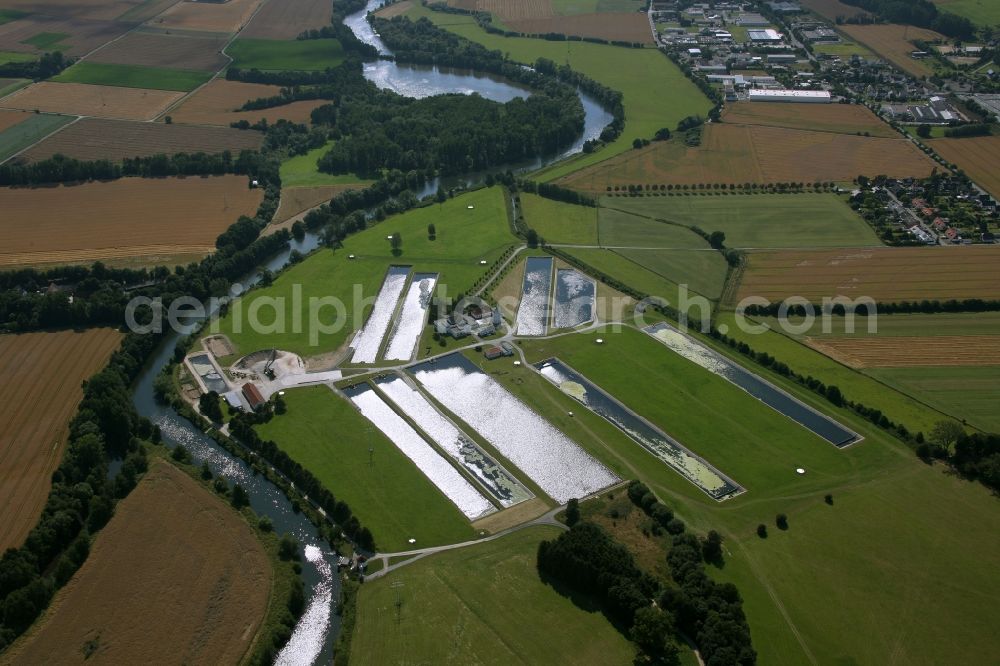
(768, 36)
(801, 96)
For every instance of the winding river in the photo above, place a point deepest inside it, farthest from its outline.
(314, 636)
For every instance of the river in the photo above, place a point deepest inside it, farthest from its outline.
(314, 636)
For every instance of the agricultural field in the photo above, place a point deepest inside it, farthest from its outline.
(37, 34)
(96, 139)
(831, 9)
(967, 392)
(647, 107)
(286, 20)
(129, 218)
(176, 571)
(10, 118)
(840, 118)
(885, 274)
(87, 10)
(272, 54)
(755, 154)
(173, 51)
(845, 49)
(559, 222)
(133, 76)
(41, 375)
(702, 271)
(754, 221)
(217, 103)
(29, 129)
(296, 200)
(981, 12)
(226, 17)
(978, 157)
(624, 27)
(8, 86)
(390, 496)
(895, 43)
(7, 57)
(619, 228)
(89, 100)
(452, 613)
(886, 351)
(464, 238)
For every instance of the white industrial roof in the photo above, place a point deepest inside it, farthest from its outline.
(818, 94)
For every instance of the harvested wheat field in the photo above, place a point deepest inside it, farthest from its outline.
(840, 118)
(911, 352)
(509, 10)
(831, 9)
(614, 26)
(10, 118)
(228, 16)
(40, 376)
(295, 200)
(395, 9)
(81, 35)
(100, 10)
(885, 274)
(216, 104)
(82, 99)
(97, 139)
(152, 49)
(895, 43)
(978, 157)
(286, 19)
(129, 217)
(749, 153)
(177, 576)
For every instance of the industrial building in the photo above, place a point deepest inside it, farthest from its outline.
(767, 36)
(784, 95)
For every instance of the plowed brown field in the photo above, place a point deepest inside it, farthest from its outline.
(287, 18)
(129, 217)
(172, 51)
(750, 153)
(82, 99)
(10, 118)
(911, 352)
(106, 10)
(208, 16)
(842, 118)
(83, 35)
(216, 104)
(97, 139)
(895, 43)
(40, 376)
(176, 576)
(979, 157)
(885, 274)
(615, 26)
(509, 10)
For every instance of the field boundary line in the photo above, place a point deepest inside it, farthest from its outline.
(50, 134)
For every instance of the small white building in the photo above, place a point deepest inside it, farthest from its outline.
(784, 95)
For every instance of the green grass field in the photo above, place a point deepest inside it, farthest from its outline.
(970, 393)
(301, 171)
(326, 435)
(845, 49)
(572, 7)
(133, 76)
(20, 136)
(894, 519)
(656, 93)
(272, 54)
(908, 325)
(484, 605)
(8, 15)
(620, 229)
(464, 238)
(45, 41)
(981, 12)
(644, 280)
(760, 220)
(558, 222)
(13, 56)
(704, 272)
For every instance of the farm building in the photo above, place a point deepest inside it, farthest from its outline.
(492, 353)
(253, 395)
(476, 320)
(800, 96)
(767, 36)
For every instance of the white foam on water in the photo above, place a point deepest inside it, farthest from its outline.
(532, 310)
(412, 318)
(310, 632)
(367, 342)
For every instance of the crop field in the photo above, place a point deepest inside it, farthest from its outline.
(968, 392)
(831, 9)
(129, 217)
(274, 54)
(755, 221)
(74, 37)
(229, 16)
(41, 375)
(176, 571)
(979, 158)
(93, 10)
(464, 238)
(620, 229)
(12, 56)
(8, 86)
(885, 274)
(150, 49)
(756, 154)
(656, 93)
(982, 12)
(559, 222)
(702, 271)
(96, 139)
(909, 325)
(885, 351)
(841, 118)
(286, 20)
(87, 100)
(133, 76)
(452, 613)
(10, 118)
(29, 130)
(625, 27)
(894, 43)
(390, 496)
(217, 103)
(296, 200)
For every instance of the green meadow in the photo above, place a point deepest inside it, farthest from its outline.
(133, 76)
(301, 171)
(297, 54)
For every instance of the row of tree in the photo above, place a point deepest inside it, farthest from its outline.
(898, 307)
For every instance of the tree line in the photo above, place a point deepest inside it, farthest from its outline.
(893, 307)
(47, 66)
